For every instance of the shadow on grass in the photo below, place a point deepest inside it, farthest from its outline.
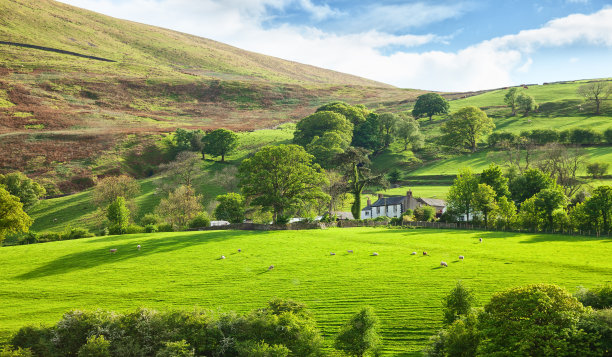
(126, 249)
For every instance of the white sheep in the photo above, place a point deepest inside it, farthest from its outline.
(332, 253)
(113, 251)
(375, 254)
(461, 257)
(138, 247)
(413, 253)
(223, 257)
(443, 264)
(349, 251)
(271, 267)
(480, 240)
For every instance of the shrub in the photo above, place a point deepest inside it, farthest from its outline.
(457, 303)
(201, 220)
(382, 219)
(261, 349)
(584, 136)
(408, 213)
(597, 169)
(37, 339)
(118, 215)
(150, 228)
(461, 338)
(150, 218)
(95, 347)
(48, 237)
(165, 227)
(425, 213)
(360, 335)
(76, 233)
(608, 135)
(134, 228)
(500, 138)
(230, 208)
(542, 136)
(283, 219)
(597, 298)
(176, 349)
(8, 351)
(598, 323)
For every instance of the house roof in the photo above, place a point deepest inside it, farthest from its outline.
(388, 201)
(433, 202)
(366, 208)
(344, 215)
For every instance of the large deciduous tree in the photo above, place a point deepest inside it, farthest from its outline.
(526, 103)
(19, 185)
(180, 207)
(181, 171)
(118, 216)
(494, 177)
(599, 206)
(231, 207)
(388, 122)
(109, 188)
(510, 98)
(460, 195)
(368, 134)
(548, 201)
(319, 123)
(356, 114)
(595, 92)
(12, 217)
(219, 142)
(528, 184)
(281, 178)
(466, 127)
(483, 200)
(408, 131)
(430, 104)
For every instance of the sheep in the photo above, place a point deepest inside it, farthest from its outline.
(424, 253)
(113, 251)
(271, 267)
(349, 251)
(480, 240)
(223, 257)
(332, 253)
(239, 250)
(375, 254)
(138, 247)
(413, 253)
(443, 264)
(461, 257)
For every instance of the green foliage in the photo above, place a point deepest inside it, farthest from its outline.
(355, 114)
(542, 136)
(109, 188)
(596, 92)
(368, 135)
(219, 142)
(597, 169)
(424, 213)
(8, 351)
(321, 122)
(176, 349)
(599, 207)
(199, 221)
(582, 136)
(460, 194)
(360, 335)
(430, 104)
(150, 219)
(388, 123)
(494, 177)
(96, 346)
(459, 339)
(457, 303)
(533, 320)
(281, 178)
(326, 147)
(502, 139)
(188, 140)
(608, 135)
(484, 201)
(180, 207)
(19, 185)
(510, 98)
(597, 298)
(466, 127)
(231, 208)
(549, 200)
(526, 103)
(262, 349)
(408, 131)
(528, 184)
(12, 217)
(118, 216)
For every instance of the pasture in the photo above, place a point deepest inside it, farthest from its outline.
(182, 270)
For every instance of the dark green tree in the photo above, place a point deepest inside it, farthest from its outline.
(510, 99)
(457, 303)
(483, 200)
(326, 147)
(231, 207)
(548, 201)
(356, 114)
(281, 178)
(526, 103)
(599, 206)
(19, 185)
(360, 336)
(320, 123)
(408, 131)
(528, 184)
(388, 122)
(466, 127)
(368, 134)
(494, 177)
(460, 195)
(118, 216)
(430, 104)
(219, 142)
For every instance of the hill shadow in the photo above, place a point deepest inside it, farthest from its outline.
(127, 250)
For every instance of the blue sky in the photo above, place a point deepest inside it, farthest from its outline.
(435, 45)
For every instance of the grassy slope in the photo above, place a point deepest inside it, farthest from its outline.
(180, 270)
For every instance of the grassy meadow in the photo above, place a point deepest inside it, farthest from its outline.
(182, 270)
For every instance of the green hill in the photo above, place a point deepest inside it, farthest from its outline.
(182, 270)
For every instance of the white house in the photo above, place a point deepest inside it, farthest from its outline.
(394, 206)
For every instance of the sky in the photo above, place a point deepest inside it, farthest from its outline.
(442, 45)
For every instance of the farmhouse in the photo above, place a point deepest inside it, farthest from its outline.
(394, 206)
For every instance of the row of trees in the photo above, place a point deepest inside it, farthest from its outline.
(575, 136)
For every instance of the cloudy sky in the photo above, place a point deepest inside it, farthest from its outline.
(429, 44)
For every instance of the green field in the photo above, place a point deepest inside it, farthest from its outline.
(182, 270)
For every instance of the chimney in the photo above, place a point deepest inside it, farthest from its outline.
(409, 194)
(369, 201)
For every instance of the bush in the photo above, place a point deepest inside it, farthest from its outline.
(150, 218)
(230, 208)
(261, 349)
(425, 213)
(176, 349)
(360, 335)
(283, 219)
(37, 339)
(542, 136)
(608, 135)
(150, 228)
(597, 169)
(48, 237)
(199, 221)
(95, 347)
(76, 233)
(498, 138)
(382, 219)
(461, 338)
(457, 303)
(8, 351)
(165, 227)
(597, 298)
(134, 228)
(584, 136)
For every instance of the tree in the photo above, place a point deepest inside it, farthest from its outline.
(483, 200)
(505, 212)
(188, 140)
(595, 92)
(354, 163)
(19, 185)
(326, 147)
(600, 205)
(430, 104)
(461, 192)
(494, 177)
(12, 217)
(180, 207)
(528, 184)
(424, 213)
(562, 164)
(533, 320)
(109, 188)
(219, 142)
(181, 171)
(457, 303)
(388, 122)
(281, 178)
(549, 200)
(408, 131)
(511, 99)
(231, 207)
(318, 124)
(356, 114)
(526, 103)
(368, 134)
(597, 169)
(466, 127)
(118, 216)
(360, 336)
(336, 188)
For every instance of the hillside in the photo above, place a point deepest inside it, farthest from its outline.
(406, 291)
(58, 107)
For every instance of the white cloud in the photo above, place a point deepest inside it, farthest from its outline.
(489, 64)
(318, 12)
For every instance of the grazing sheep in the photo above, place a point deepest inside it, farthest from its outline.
(113, 251)
(443, 264)
(461, 257)
(223, 257)
(349, 251)
(271, 267)
(413, 253)
(332, 253)
(424, 253)
(138, 247)
(375, 254)
(480, 240)
(239, 250)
